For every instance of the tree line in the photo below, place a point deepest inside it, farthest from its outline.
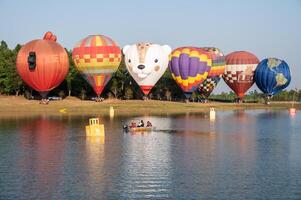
(121, 86)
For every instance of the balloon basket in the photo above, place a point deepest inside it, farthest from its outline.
(268, 99)
(238, 100)
(145, 98)
(99, 99)
(94, 129)
(44, 101)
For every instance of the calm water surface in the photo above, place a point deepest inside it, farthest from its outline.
(242, 155)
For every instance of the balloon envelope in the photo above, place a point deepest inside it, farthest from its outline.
(215, 73)
(208, 86)
(146, 63)
(272, 75)
(239, 71)
(97, 57)
(189, 67)
(43, 64)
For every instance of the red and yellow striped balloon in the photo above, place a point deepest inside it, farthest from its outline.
(97, 57)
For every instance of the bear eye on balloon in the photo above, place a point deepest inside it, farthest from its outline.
(156, 60)
(129, 60)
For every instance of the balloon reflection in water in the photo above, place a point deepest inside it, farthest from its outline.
(47, 137)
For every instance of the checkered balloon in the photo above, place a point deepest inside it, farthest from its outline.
(215, 73)
(239, 71)
(208, 86)
(97, 57)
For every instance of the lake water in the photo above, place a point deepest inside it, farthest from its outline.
(242, 155)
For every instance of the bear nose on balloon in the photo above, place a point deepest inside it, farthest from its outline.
(141, 67)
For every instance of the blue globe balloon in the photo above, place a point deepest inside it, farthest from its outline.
(272, 75)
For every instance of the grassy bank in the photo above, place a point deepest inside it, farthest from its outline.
(11, 105)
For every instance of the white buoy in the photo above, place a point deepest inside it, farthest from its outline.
(111, 112)
(212, 114)
(292, 111)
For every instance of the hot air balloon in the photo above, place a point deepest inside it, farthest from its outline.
(97, 57)
(239, 71)
(272, 75)
(208, 86)
(189, 67)
(43, 64)
(146, 63)
(215, 73)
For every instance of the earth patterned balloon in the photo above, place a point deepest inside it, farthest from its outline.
(272, 75)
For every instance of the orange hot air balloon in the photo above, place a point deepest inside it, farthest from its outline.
(97, 57)
(43, 64)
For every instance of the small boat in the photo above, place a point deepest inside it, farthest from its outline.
(140, 129)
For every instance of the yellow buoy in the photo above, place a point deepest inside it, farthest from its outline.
(63, 110)
(94, 128)
(212, 114)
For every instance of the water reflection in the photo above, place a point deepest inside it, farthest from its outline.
(242, 155)
(143, 176)
(42, 144)
(95, 155)
(272, 149)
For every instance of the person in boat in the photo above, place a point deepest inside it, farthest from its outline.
(125, 127)
(133, 125)
(148, 124)
(141, 123)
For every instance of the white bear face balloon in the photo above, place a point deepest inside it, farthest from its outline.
(146, 63)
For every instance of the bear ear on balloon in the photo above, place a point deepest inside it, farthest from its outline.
(125, 48)
(166, 48)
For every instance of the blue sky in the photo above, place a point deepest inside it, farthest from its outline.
(270, 28)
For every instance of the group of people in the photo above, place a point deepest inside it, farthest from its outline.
(140, 124)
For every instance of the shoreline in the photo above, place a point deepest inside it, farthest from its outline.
(18, 106)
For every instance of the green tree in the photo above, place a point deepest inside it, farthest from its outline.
(10, 81)
(119, 80)
(72, 74)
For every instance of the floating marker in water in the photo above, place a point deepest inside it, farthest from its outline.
(95, 129)
(292, 111)
(63, 110)
(212, 114)
(111, 111)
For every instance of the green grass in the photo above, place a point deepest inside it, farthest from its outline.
(21, 106)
